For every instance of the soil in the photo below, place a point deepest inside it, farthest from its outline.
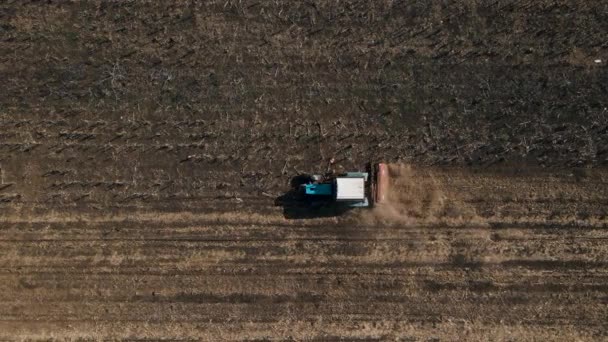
(143, 146)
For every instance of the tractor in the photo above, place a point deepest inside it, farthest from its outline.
(346, 190)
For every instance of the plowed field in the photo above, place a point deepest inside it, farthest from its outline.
(144, 147)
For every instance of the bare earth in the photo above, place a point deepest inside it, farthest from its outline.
(144, 145)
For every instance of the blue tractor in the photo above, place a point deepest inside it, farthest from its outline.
(349, 190)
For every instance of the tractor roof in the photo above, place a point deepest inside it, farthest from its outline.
(350, 188)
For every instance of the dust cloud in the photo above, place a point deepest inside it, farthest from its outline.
(416, 196)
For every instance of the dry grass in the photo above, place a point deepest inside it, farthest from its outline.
(288, 328)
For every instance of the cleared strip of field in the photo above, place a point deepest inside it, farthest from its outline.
(469, 255)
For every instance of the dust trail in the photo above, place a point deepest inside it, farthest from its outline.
(416, 197)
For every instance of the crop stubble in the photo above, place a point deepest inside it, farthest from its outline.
(236, 274)
(142, 144)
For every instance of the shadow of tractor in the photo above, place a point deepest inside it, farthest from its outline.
(297, 206)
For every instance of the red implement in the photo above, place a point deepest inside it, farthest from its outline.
(382, 183)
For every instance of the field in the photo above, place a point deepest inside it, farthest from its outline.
(144, 145)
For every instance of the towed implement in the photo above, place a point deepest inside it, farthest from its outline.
(349, 189)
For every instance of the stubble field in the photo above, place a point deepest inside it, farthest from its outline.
(143, 145)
